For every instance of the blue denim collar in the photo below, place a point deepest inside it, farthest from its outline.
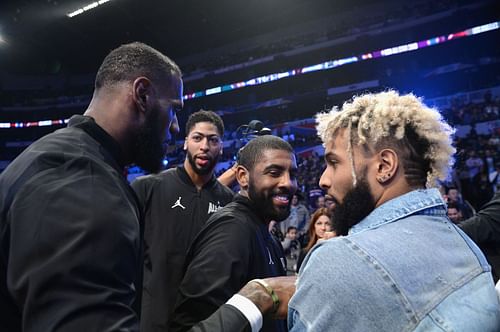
(422, 201)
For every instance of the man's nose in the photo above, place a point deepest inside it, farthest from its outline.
(324, 181)
(289, 182)
(205, 144)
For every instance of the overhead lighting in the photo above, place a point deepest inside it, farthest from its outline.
(87, 8)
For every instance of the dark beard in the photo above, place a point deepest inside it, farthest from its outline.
(264, 207)
(356, 205)
(204, 170)
(149, 148)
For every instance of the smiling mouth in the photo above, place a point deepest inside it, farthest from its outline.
(281, 199)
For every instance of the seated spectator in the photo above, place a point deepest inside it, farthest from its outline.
(454, 213)
(314, 193)
(321, 222)
(298, 218)
(290, 239)
(494, 177)
(291, 246)
(275, 232)
(320, 202)
(455, 197)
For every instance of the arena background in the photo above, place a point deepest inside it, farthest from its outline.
(276, 61)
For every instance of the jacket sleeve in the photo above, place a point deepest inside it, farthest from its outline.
(484, 227)
(74, 251)
(217, 265)
(143, 188)
(226, 319)
(300, 259)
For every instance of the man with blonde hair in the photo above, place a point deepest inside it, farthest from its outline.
(401, 264)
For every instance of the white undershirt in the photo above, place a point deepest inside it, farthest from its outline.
(248, 309)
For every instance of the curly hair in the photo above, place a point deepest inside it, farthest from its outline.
(205, 116)
(420, 136)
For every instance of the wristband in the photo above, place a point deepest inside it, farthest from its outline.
(270, 291)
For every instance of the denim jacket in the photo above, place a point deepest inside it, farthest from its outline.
(405, 267)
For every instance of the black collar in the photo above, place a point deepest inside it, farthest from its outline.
(181, 171)
(245, 201)
(88, 124)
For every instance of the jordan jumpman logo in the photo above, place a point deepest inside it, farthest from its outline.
(178, 204)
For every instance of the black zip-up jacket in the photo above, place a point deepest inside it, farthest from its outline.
(484, 229)
(175, 211)
(69, 235)
(70, 252)
(233, 248)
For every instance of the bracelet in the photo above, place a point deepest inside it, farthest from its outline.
(270, 291)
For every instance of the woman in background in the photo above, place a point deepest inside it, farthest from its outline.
(320, 224)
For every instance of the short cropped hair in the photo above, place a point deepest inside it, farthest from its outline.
(453, 205)
(133, 60)
(251, 153)
(205, 116)
(419, 135)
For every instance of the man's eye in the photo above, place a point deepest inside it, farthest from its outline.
(214, 140)
(196, 138)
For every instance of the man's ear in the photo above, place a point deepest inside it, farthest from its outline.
(141, 92)
(185, 143)
(387, 165)
(242, 176)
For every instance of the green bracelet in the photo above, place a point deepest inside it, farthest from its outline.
(270, 291)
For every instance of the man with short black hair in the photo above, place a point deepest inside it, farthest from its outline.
(70, 247)
(177, 203)
(454, 213)
(455, 197)
(235, 246)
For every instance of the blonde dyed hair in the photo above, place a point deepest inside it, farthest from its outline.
(420, 136)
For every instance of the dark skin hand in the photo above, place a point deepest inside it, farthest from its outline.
(284, 287)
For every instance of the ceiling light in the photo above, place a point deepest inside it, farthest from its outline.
(87, 8)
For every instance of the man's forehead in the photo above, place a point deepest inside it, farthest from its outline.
(337, 143)
(272, 156)
(174, 89)
(205, 128)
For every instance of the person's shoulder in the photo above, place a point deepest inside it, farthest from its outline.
(335, 249)
(224, 190)
(225, 215)
(302, 207)
(229, 218)
(336, 258)
(226, 229)
(150, 179)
